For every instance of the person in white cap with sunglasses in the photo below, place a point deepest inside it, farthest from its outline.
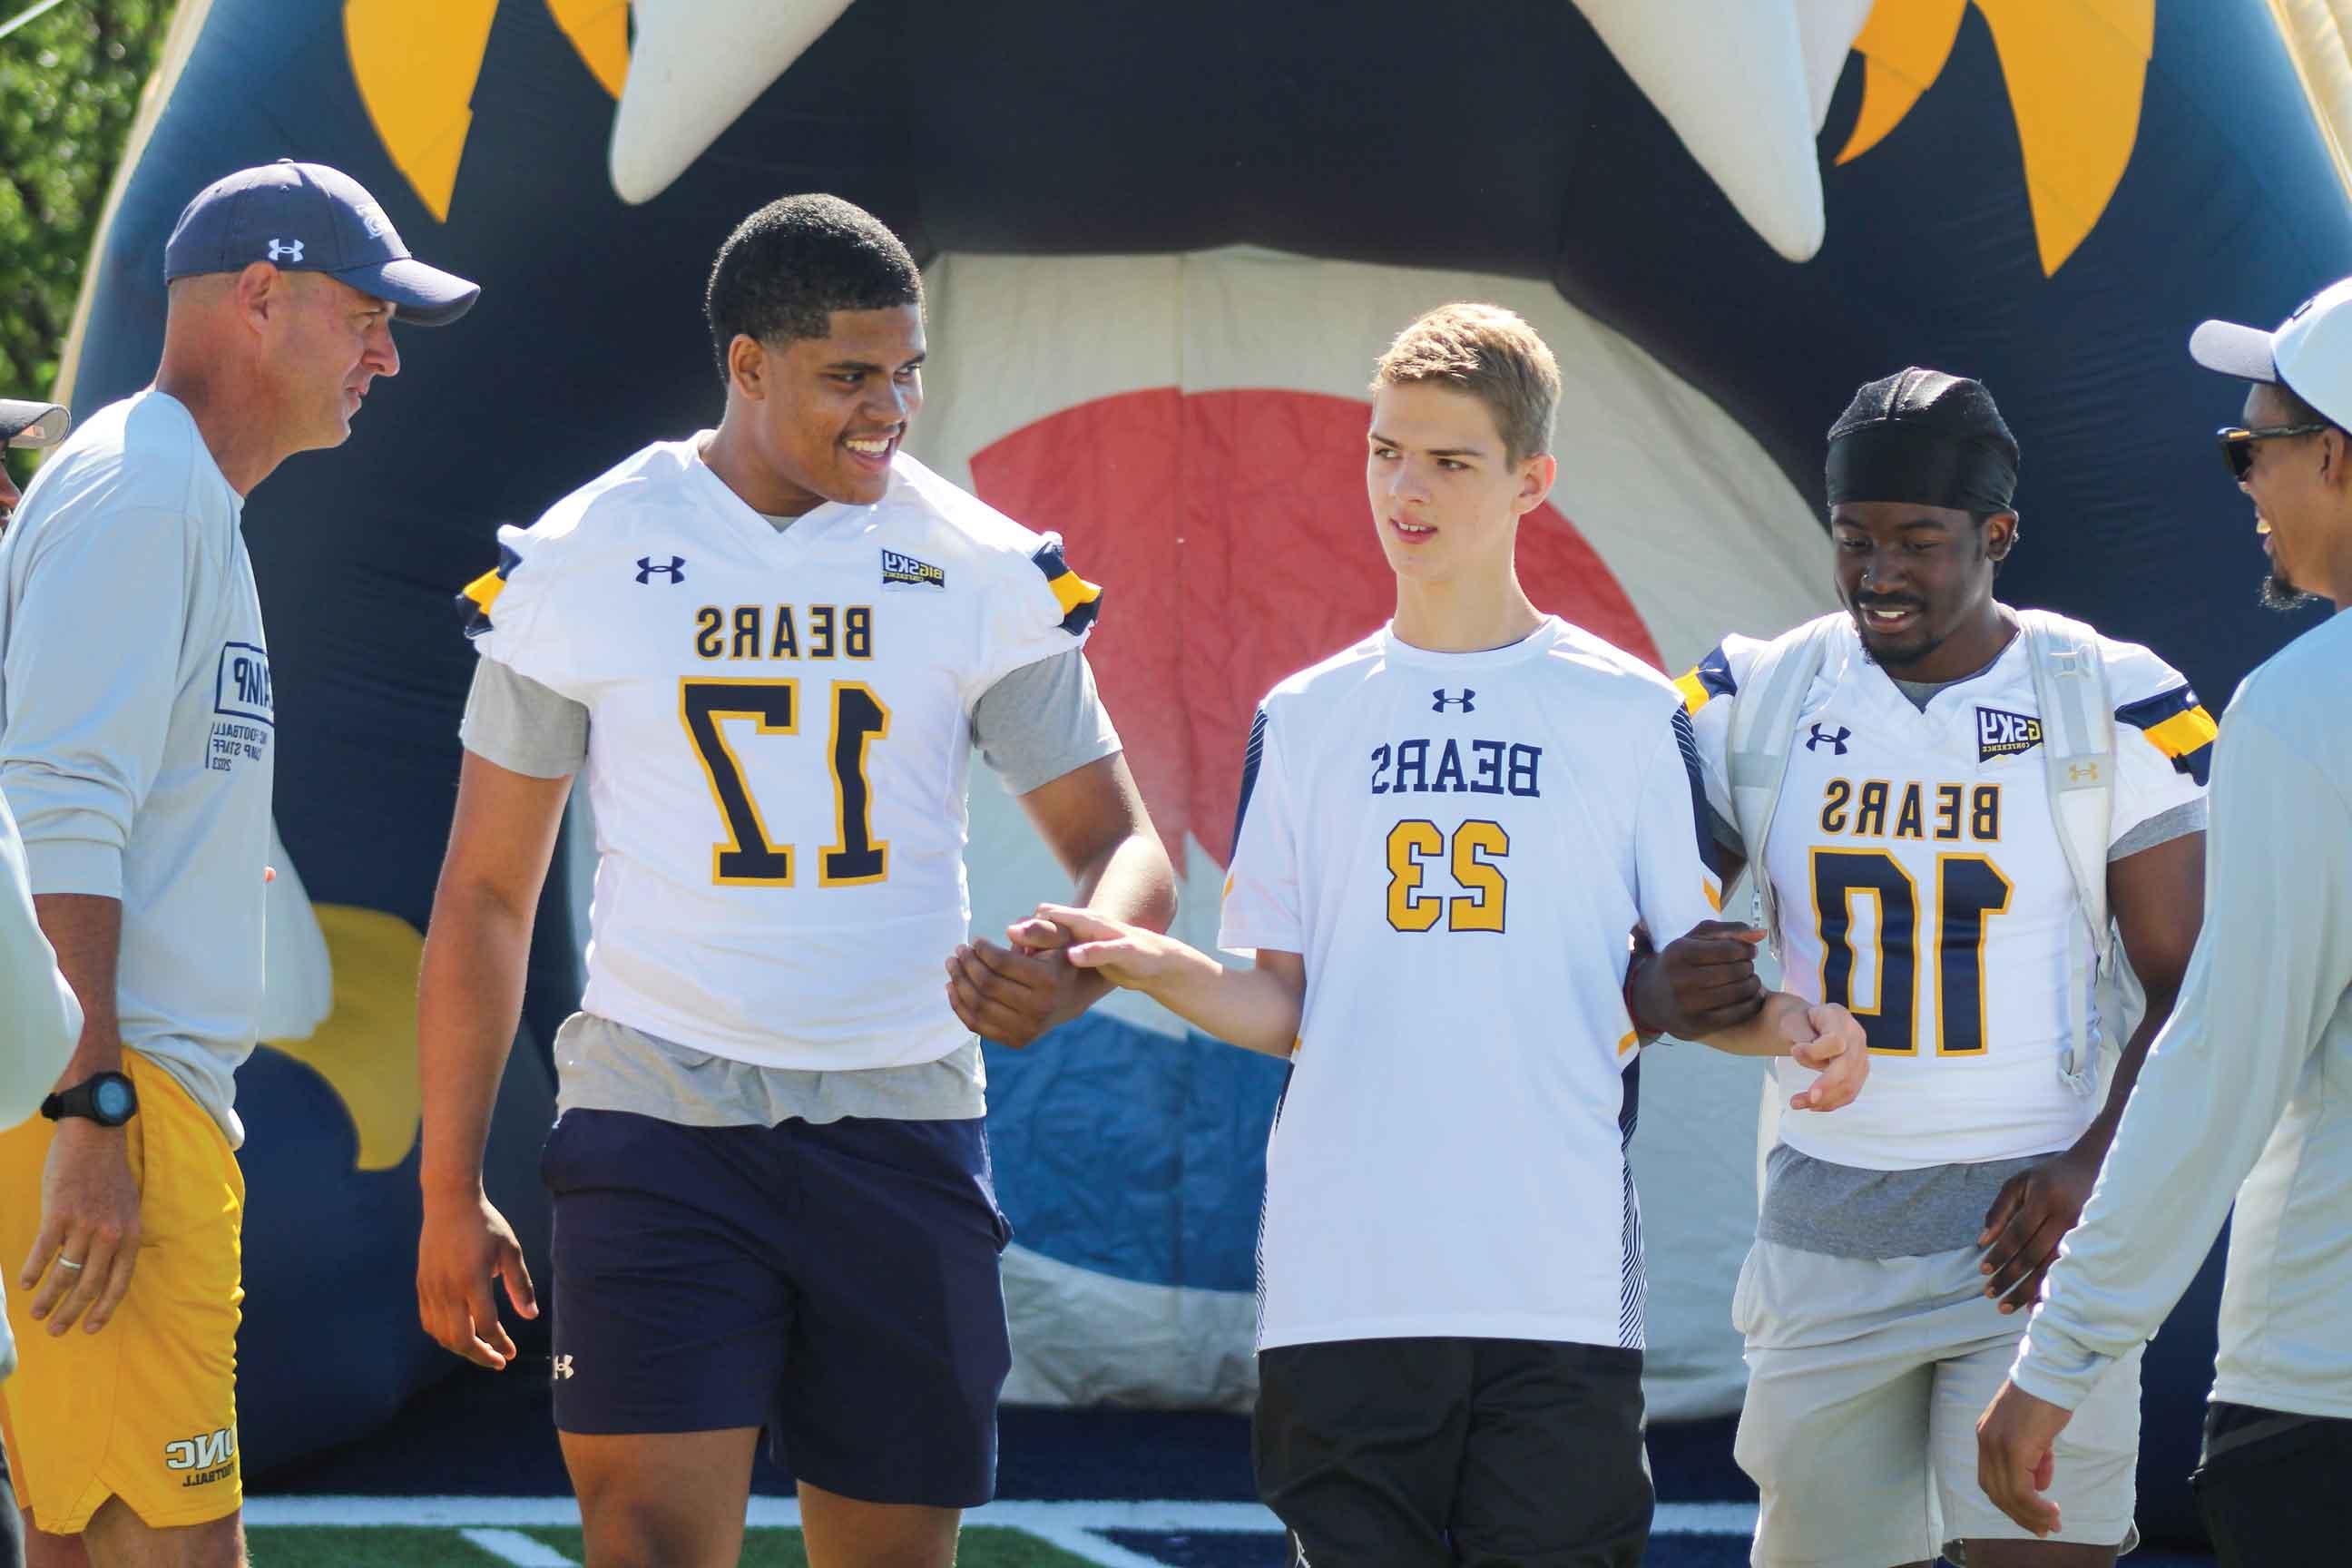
(136, 751)
(2247, 1094)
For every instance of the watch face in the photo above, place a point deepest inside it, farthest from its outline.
(112, 1100)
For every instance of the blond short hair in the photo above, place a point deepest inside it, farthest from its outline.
(1492, 355)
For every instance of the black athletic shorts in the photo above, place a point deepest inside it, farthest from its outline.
(836, 1282)
(1413, 1453)
(2271, 1486)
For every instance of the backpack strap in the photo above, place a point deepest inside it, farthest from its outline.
(2078, 756)
(1763, 731)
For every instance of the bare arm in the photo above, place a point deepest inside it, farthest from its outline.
(87, 932)
(470, 994)
(1703, 986)
(1257, 1008)
(1823, 1036)
(89, 1243)
(469, 1005)
(2157, 897)
(1094, 820)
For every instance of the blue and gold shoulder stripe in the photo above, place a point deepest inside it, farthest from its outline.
(475, 599)
(1252, 754)
(1710, 853)
(1081, 601)
(1706, 680)
(2178, 725)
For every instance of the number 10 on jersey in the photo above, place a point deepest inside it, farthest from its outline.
(750, 857)
(1970, 891)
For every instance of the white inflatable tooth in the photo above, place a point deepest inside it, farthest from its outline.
(695, 67)
(1826, 30)
(1734, 79)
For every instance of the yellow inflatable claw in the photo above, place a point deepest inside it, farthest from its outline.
(2075, 70)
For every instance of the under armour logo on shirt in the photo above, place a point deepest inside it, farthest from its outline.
(285, 250)
(560, 1370)
(1462, 701)
(1837, 741)
(676, 569)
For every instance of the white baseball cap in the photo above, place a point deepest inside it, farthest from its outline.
(2310, 355)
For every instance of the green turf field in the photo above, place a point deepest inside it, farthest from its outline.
(407, 1547)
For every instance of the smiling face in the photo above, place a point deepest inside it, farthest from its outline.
(1918, 579)
(824, 417)
(2287, 480)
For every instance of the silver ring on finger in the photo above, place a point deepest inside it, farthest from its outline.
(69, 1263)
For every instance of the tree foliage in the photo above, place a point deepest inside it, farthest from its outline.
(69, 89)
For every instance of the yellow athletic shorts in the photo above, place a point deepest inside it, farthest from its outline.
(145, 1409)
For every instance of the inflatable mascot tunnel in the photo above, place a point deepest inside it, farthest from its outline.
(1163, 246)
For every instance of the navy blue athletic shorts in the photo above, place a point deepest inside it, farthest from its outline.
(835, 1283)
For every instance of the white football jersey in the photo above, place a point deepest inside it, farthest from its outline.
(1922, 883)
(778, 741)
(1460, 846)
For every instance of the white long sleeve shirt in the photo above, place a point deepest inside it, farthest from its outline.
(136, 726)
(2251, 1081)
(43, 1017)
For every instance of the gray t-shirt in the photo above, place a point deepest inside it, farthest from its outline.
(1036, 725)
(1819, 1205)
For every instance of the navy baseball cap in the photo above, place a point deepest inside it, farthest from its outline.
(23, 424)
(307, 217)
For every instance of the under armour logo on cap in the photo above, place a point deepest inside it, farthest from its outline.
(1837, 741)
(1440, 700)
(676, 569)
(345, 235)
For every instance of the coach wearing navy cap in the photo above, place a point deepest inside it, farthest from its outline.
(307, 217)
(137, 754)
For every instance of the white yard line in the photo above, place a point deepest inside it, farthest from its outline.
(509, 1546)
(1086, 1544)
(771, 1513)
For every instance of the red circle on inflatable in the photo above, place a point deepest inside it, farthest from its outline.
(1234, 545)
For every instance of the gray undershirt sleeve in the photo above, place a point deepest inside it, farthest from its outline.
(2186, 818)
(1043, 720)
(522, 726)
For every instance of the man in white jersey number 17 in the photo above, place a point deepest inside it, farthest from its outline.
(1947, 804)
(1448, 835)
(772, 649)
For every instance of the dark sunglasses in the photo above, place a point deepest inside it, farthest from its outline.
(2238, 443)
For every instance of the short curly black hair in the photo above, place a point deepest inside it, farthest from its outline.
(788, 266)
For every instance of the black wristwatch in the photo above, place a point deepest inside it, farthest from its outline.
(108, 1099)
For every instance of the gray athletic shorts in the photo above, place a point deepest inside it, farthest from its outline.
(1865, 1379)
